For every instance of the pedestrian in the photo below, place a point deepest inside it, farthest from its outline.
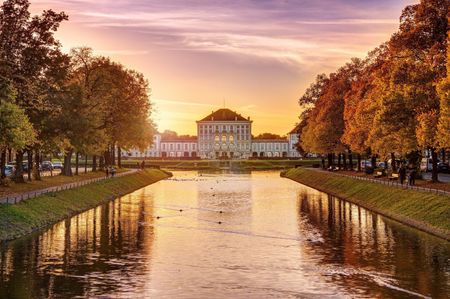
(113, 172)
(412, 177)
(402, 173)
(107, 171)
(143, 164)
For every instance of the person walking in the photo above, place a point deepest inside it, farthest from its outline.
(107, 171)
(402, 173)
(143, 164)
(113, 172)
(413, 176)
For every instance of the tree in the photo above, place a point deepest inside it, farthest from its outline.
(17, 131)
(269, 136)
(168, 134)
(426, 137)
(33, 54)
(325, 127)
(443, 127)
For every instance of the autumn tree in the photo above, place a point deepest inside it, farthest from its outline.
(443, 127)
(325, 127)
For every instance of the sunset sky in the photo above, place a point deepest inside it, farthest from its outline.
(256, 56)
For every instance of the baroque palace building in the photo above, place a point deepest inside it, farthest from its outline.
(222, 134)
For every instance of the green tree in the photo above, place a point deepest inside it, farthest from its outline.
(28, 45)
(17, 131)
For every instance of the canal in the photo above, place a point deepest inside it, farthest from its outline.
(252, 235)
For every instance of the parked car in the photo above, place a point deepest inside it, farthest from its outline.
(443, 167)
(366, 164)
(47, 166)
(57, 165)
(381, 165)
(427, 164)
(9, 170)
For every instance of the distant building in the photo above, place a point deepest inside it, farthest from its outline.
(224, 134)
(221, 134)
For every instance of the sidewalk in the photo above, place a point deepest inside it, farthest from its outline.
(388, 182)
(18, 197)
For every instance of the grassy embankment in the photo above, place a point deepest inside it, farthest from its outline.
(423, 210)
(50, 181)
(33, 214)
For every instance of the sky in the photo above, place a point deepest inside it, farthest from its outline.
(255, 57)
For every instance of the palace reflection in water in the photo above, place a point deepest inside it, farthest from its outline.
(226, 235)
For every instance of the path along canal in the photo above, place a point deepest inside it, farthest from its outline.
(252, 235)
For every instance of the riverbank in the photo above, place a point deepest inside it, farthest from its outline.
(423, 210)
(51, 181)
(33, 214)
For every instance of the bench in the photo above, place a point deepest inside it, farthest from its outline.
(378, 174)
(394, 176)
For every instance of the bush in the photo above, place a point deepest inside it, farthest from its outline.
(6, 182)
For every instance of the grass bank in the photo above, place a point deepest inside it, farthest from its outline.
(50, 181)
(33, 214)
(425, 211)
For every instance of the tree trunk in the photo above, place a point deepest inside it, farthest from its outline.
(2, 164)
(94, 163)
(77, 162)
(393, 163)
(359, 162)
(350, 159)
(37, 162)
(344, 160)
(323, 163)
(339, 161)
(18, 175)
(102, 163)
(330, 160)
(107, 157)
(333, 155)
(67, 169)
(443, 155)
(374, 161)
(119, 157)
(113, 155)
(85, 163)
(9, 155)
(434, 171)
(30, 164)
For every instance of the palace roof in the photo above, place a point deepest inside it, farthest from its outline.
(224, 115)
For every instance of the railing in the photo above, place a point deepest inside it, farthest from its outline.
(395, 184)
(16, 198)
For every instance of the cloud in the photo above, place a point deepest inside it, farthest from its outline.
(260, 53)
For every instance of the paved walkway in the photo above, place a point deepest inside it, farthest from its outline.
(389, 183)
(18, 197)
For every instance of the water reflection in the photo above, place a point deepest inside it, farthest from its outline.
(90, 254)
(366, 252)
(226, 235)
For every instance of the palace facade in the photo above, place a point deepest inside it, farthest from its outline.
(222, 134)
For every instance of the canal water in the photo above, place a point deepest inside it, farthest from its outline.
(252, 235)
